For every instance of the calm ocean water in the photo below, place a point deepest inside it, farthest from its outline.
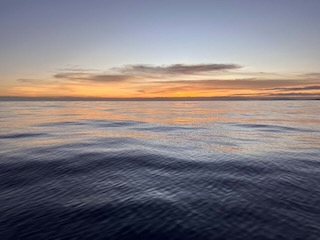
(160, 170)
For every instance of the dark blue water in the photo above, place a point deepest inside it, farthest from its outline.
(160, 170)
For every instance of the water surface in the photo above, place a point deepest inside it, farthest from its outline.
(160, 170)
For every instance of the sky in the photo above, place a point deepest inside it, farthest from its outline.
(167, 48)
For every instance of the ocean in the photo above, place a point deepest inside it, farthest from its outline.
(160, 170)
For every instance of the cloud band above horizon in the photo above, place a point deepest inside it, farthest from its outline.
(176, 80)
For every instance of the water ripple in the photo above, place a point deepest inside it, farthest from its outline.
(200, 170)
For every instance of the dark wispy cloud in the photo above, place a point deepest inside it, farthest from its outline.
(129, 72)
(91, 77)
(175, 69)
(35, 82)
(290, 95)
(311, 75)
(306, 88)
(25, 80)
(241, 83)
(294, 94)
(78, 70)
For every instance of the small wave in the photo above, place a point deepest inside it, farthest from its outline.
(167, 128)
(58, 124)
(22, 135)
(113, 123)
(273, 128)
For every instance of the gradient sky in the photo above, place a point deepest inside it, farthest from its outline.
(148, 48)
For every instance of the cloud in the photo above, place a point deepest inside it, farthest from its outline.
(197, 80)
(24, 80)
(175, 69)
(91, 77)
(295, 94)
(218, 87)
(129, 72)
(78, 70)
(311, 75)
(275, 96)
(239, 83)
(36, 82)
(307, 88)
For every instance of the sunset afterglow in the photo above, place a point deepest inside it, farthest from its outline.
(100, 49)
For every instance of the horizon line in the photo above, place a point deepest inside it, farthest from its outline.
(229, 98)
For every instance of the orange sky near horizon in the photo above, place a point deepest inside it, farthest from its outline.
(158, 81)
